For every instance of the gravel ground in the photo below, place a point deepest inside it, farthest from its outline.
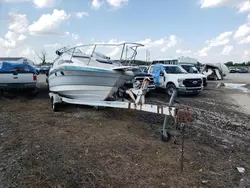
(84, 147)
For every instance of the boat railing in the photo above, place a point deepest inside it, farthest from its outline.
(125, 46)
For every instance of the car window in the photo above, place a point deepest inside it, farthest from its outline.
(174, 70)
(190, 69)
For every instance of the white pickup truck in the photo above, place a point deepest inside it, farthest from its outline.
(174, 77)
(18, 76)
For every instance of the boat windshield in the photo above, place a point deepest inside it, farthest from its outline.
(175, 70)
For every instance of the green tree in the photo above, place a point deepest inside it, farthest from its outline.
(230, 63)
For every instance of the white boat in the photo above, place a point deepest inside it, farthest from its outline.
(215, 70)
(90, 76)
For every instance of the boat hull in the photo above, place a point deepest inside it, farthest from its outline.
(85, 84)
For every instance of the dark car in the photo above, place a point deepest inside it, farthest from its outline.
(139, 76)
(44, 69)
(243, 70)
(232, 70)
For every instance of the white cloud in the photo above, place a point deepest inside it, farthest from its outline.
(244, 7)
(18, 22)
(248, 17)
(21, 37)
(75, 36)
(27, 52)
(227, 50)
(180, 51)
(44, 3)
(114, 52)
(163, 43)
(211, 3)
(48, 23)
(96, 4)
(221, 40)
(81, 14)
(117, 3)
(246, 52)
(7, 43)
(204, 51)
(37, 3)
(11, 36)
(111, 41)
(241, 5)
(245, 40)
(15, 1)
(242, 31)
(56, 45)
(79, 44)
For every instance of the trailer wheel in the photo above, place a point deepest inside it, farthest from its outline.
(54, 105)
(165, 137)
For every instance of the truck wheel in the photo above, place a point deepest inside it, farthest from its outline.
(170, 89)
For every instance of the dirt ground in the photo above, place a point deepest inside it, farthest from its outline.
(83, 147)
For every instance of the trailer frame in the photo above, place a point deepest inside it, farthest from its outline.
(168, 110)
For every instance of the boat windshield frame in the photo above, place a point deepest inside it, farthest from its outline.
(125, 45)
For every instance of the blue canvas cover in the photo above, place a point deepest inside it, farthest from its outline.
(156, 72)
(6, 67)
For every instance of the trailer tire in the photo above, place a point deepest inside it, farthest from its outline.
(54, 105)
(165, 138)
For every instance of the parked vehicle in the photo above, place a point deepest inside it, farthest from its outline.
(193, 70)
(215, 71)
(239, 70)
(44, 69)
(139, 76)
(242, 70)
(18, 76)
(174, 77)
(233, 70)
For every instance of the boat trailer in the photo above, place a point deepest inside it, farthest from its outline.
(180, 116)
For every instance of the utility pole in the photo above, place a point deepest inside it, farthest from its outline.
(147, 55)
(126, 53)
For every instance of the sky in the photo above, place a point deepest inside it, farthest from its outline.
(208, 30)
